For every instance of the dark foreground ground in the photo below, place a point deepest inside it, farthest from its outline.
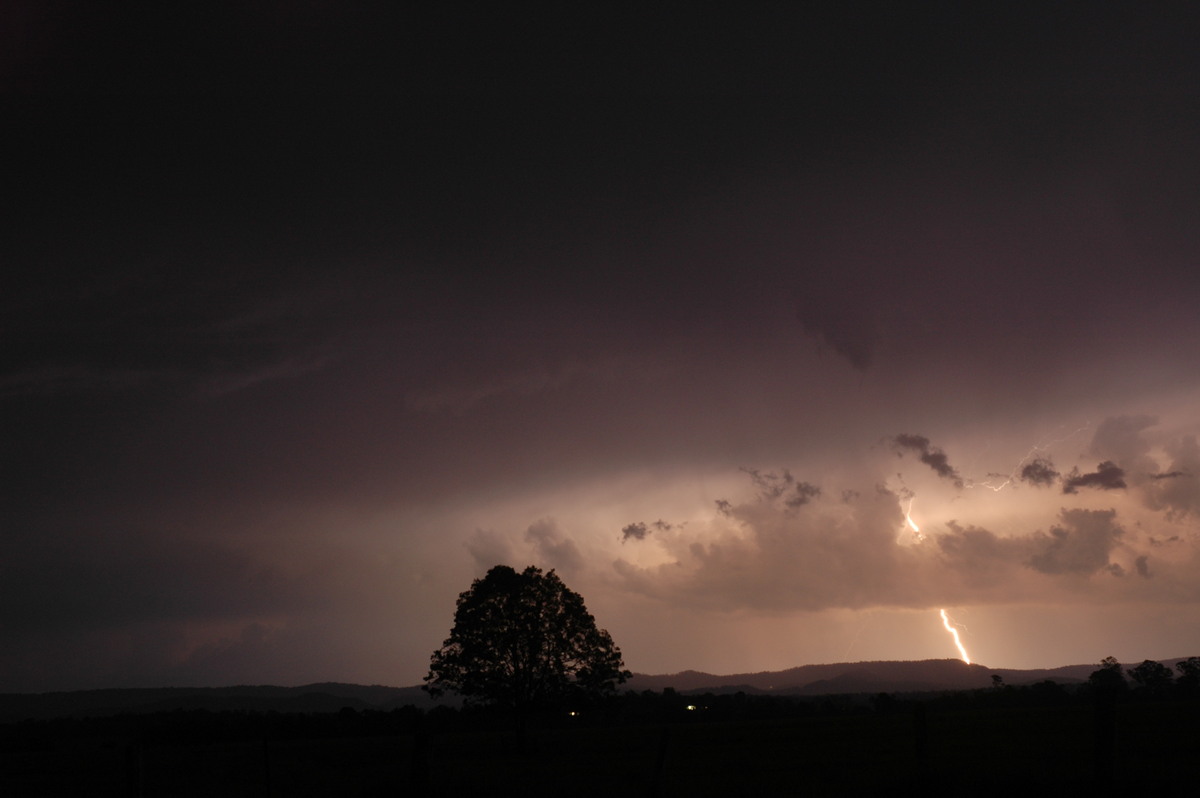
(929, 747)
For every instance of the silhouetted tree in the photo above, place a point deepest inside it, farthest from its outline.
(1048, 691)
(1107, 682)
(1189, 675)
(1151, 676)
(883, 703)
(1109, 678)
(524, 641)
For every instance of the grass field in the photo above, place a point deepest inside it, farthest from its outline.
(952, 751)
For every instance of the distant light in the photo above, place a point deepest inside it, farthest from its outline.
(691, 707)
(573, 713)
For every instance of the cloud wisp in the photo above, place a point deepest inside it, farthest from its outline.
(928, 454)
(1107, 476)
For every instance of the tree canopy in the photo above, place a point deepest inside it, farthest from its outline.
(1108, 678)
(1151, 676)
(1189, 675)
(523, 640)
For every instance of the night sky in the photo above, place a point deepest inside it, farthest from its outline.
(311, 315)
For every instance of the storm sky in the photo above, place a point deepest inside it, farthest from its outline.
(310, 316)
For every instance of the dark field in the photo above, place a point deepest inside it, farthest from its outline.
(959, 749)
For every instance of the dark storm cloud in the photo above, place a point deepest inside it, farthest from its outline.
(984, 557)
(1040, 472)
(1081, 544)
(138, 331)
(404, 271)
(323, 49)
(1107, 476)
(847, 332)
(928, 454)
(70, 580)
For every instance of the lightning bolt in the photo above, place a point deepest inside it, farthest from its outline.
(910, 522)
(954, 633)
(1012, 477)
(908, 516)
(962, 651)
(1033, 452)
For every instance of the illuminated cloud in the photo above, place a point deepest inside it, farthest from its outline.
(766, 555)
(1177, 490)
(854, 553)
(1159, 466)
(553, 548)
(1122, 440)
(489, 548)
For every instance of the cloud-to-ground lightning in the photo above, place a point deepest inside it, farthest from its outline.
(911, 524)
(954, 632)
(945, 618)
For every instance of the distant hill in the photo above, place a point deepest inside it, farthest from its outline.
(864, 677)
(326, 697)
(807, 680)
